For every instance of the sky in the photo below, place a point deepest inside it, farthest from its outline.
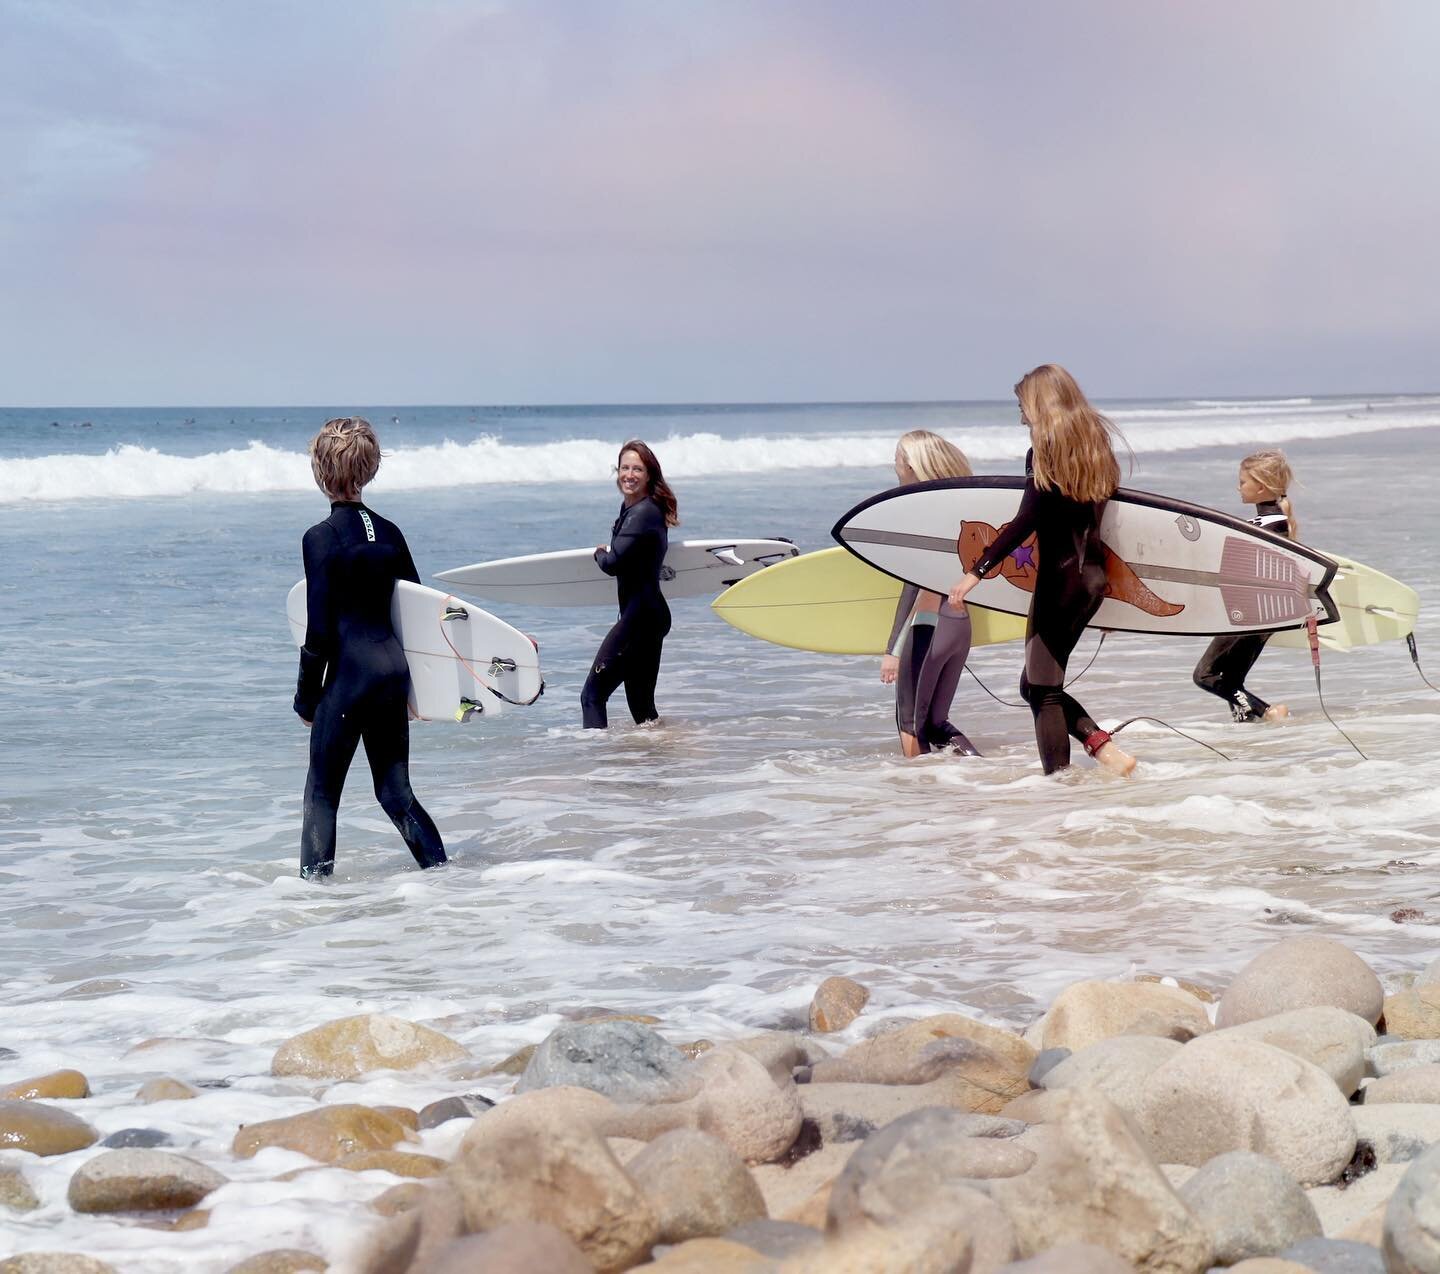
(576, 201)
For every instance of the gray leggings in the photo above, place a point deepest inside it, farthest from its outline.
(930, 666)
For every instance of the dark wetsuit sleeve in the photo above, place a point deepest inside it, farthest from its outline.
(908, 596)
(405, 567)
(638, 523)
(320, 632)
(1016, 531)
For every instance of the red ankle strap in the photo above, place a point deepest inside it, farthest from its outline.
(1096, 740)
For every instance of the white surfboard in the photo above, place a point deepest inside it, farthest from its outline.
(464, 663)
(1172, 567)
(692, 568)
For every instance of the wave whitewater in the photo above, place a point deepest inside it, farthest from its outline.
(137, 472)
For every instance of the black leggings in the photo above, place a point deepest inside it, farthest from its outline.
(1054, 628)
(630, 654)
(931, 663)
(1223, 668)
(367, 700)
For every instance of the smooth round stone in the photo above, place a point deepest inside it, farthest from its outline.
(625, 1061)
(1045, 1061)
(137, 1139)
(1412, 1222)
(466, 1106)
(1250, 1205)
(1297, 973)
(1336, 1256)
(1397, 1055)
(42, 1129)
(140, 1181)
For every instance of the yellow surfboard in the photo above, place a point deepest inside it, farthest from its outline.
(834, 603)
(1373, 608)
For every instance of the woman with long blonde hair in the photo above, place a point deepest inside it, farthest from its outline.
(930, 640)
(1265, 478)
(1071, 471)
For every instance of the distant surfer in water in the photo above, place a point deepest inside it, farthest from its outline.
(1265, 478)
(354, 681)
(639, 540)
(931, 639)
(1070, 472)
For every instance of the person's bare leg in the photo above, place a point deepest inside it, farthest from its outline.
(909, 744)
(1114, 759)
(1276, 712)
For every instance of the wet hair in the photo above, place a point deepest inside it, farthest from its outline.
(1073, 443)
(344, 456)
(1271, 469)
(657, 488)
(931, 456)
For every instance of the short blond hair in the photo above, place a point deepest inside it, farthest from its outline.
(344, 456)
(930, 456)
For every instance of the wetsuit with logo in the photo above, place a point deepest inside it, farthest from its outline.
(1069, 587)
(354, 682)
(630, 652)
(932, 649)
(1227, 661)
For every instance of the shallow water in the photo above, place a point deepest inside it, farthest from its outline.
(710, 871)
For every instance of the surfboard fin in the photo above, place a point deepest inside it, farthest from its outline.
(468, 708)
(729, 556)
(454, 612)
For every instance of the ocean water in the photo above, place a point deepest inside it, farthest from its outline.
(711, 871)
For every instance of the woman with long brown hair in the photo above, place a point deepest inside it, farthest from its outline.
(630, 653)
(1071, 471)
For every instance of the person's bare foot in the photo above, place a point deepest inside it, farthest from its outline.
(1115, 760)
(1276, 712)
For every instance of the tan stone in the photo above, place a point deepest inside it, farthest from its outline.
(889, 1057)
(791, 1190)
(140, 1181)
(326, 1134)
(400, 1198)
(1413, 1085)
(56, 1085)
(54, 1263)
(711, 1256)
(542, 1111)
(165, 1089)
(697, 1186)
(287, 1260)
(1414, 1014)
(400, 1163)
(1086, 1012)
(1327, 1037)
(519, 1247)
(836, 1004)
(41, 1129)
(1270, 1265)
(815, 1211)
(195, 1219)
(1299, 972)
(567, 1178)
(16, 1193)
(914, 1249)
(1205, 994)
(354, 1046)
(401, 1115)
(516, 1063)
(850, 1112)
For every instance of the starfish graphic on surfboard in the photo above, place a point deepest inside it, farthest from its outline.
(1170, 567)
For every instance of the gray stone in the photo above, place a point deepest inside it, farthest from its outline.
(1397, 1055)
(624, 1061)
(1397, 1131)
(697, 1186)
(1297, 973)
(1071, 1258)
(140, 1181)
(1332, 1039)
(137, 1139)
(1414, 1084)
(1336, 1256)
(518, 1247)
(1250, 1205)
(1045, 1062)
(466, 1106)
(1117, 1066)
(775, 1239)
(1412, 1219)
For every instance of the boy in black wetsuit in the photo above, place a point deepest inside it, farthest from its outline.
(1265, 477)
(354, 682)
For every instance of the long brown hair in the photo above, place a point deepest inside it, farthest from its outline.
(1074, 451)
(658, 489)
(1271, 469)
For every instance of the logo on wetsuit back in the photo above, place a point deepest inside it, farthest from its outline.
(369, 526)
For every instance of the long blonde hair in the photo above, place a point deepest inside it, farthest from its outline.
(344, 456)
(1074, 452)
(931, 456)
(1271, 469)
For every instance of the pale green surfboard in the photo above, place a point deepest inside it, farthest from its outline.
(834, 603)
(1373, 608)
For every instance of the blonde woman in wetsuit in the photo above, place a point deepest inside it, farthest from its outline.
(930, 640)
(1070, 472)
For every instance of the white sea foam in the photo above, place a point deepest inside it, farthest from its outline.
(145, 472)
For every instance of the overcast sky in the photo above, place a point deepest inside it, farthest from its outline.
(476, 201)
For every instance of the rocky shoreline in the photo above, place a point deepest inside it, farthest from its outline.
(1289, 1122)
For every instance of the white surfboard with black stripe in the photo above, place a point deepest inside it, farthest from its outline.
(1172, 567)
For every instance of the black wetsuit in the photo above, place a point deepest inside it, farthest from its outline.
(932, 657)
(1227, 660)
(630, 652)
(354, 682)
(1069, 587)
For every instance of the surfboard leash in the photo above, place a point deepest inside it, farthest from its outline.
(1157, 721)
(1312, 631)
(1415, 659)
(498, 663)
(1104, 633)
